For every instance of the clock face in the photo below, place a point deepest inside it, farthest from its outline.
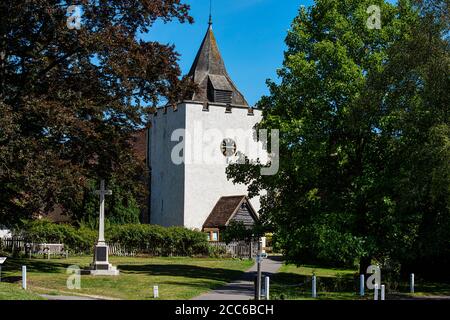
(228, 147)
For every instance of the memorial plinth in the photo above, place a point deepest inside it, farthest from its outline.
(101, 266)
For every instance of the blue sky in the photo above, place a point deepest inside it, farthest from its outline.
(250, 34)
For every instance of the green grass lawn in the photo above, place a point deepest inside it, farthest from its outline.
(294, 283)
(426, 289)
(177, 277)
(12, 291)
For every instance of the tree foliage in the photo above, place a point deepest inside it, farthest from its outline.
(70, 98)
(363, 116)
(238, 231)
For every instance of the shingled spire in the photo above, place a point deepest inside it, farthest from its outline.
(209, 73)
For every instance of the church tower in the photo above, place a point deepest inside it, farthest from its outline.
(191, 145)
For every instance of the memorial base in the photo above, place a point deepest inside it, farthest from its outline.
(101, 265)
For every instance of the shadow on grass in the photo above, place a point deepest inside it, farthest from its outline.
(12, 279)
(296, 285)
(185, 271)
(287, 286)
(34, 265)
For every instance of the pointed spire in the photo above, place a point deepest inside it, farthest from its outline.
(209, 73)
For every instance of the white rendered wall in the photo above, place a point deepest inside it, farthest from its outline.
(184, 194)
(167, 179)
(5, 233)
(205, 183)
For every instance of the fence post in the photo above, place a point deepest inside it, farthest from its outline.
(361, 285)
(382, 292)
(411, 283)
(24, 277)
(267, 285)
(314, 287)
(255, 284)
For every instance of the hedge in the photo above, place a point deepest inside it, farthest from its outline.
(139, 238)
(159, 241)
(76, 240)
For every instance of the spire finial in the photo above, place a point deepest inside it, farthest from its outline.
(210, 14)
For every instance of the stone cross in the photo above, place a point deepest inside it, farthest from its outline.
(101, 225)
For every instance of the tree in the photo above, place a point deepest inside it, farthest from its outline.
(120, 208)
(339, 197)
(70, 97)
(238, 231)
(414, 88)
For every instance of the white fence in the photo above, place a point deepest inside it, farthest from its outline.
(119, 250)
(238, 249)
(233, 249)
(20, 245)
(12, 244)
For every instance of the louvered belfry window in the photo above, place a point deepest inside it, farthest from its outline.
(222, 96)
(219, 89)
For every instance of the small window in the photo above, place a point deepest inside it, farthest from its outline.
(219, 89)
(215, 236)
(222, 96)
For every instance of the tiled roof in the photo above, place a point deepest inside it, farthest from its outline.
(224, 210)
(208, 66)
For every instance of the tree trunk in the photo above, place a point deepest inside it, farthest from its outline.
(364, 262)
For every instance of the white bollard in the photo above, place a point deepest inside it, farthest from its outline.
(383, 288)
(411, 283)
(361, 285)
(24, 277)
(375, 293)
(267, 287)
(314, 287)
(155, 292)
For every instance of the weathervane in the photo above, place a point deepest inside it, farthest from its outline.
(210, 13)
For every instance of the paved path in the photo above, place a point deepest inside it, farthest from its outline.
(243, 289)
(53, 297)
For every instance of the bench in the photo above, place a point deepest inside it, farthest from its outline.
(46, 249)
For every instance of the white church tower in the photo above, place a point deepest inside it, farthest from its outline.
(191, 145)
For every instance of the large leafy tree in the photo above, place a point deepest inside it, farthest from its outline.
(342, 193)
(70, 97)
(414, 87)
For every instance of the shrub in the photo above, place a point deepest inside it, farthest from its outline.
(217, 252)
(140, 238)
(157, 240)
(75, 240)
